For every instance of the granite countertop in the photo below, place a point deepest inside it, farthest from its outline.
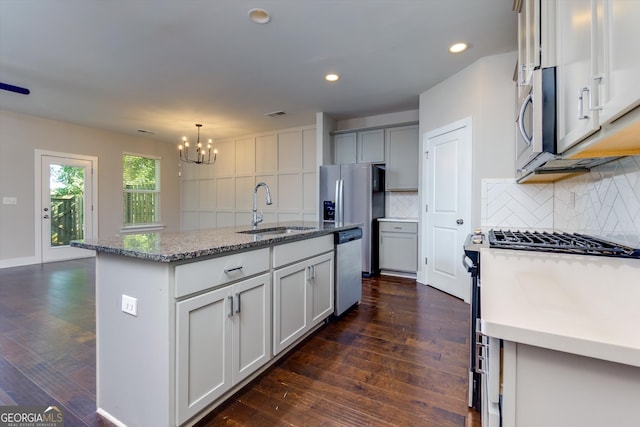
(185, 245)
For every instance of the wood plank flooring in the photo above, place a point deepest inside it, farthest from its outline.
(398, 359)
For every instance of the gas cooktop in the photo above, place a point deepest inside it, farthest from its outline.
(572, 243)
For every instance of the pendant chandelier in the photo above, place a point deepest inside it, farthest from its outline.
(203, 157)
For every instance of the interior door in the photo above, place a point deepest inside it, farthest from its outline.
(66, 204)
(448, 212)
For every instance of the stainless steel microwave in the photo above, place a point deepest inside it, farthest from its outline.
(536, 123)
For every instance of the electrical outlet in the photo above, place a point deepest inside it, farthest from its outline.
(130, 305)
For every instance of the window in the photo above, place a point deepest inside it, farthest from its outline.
(141, 189)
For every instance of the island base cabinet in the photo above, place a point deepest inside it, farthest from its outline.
(543, 387)
(303, 297)
(222, 336)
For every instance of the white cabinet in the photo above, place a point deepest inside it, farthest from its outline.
(528, 40)
(302, 289)
(222, 336)
(302, 298)
(598, 65)
(398, 242)
(344, 148)
(547, 387)
(359, 147)
(403, 154)
(371, 146)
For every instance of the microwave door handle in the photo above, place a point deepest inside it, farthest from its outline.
(523, 108)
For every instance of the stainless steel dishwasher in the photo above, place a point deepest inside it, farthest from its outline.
(348, 274)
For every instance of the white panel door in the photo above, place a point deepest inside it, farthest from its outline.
(66, 208)
(448, 188)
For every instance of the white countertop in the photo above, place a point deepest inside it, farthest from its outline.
(581, 304)
(398, 219)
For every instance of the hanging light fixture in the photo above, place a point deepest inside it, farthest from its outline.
(203, 157)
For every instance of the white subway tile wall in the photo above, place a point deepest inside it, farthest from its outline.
(604, 203)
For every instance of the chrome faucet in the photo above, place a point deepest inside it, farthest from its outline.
(257, 217)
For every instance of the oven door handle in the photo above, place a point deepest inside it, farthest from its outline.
(468, 264)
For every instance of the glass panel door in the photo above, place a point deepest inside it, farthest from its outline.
(66, 206)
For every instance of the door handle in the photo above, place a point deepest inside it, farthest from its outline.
(45, 209)
(460, 221)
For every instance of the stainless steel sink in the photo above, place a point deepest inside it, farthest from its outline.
(276, 230)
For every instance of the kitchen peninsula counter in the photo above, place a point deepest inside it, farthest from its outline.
(184, 320)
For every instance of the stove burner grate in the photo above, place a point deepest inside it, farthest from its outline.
(572, 243)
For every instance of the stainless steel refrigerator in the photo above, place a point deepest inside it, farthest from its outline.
(354, 193)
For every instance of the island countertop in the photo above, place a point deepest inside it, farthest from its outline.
(185, 245)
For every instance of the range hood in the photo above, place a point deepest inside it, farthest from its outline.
(613, 141)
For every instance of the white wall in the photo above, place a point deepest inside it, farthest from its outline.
(222, 195)
(484, 91)
(21, 135)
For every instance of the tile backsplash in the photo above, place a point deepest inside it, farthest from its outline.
(509, 205)
(402, 204)
(604, 202)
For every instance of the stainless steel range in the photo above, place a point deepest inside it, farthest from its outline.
(568, 244)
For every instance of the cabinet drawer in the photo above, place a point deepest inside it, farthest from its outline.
(303, 249)
(399, 227)
(200, 275)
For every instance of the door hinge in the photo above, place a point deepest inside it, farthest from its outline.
(426, 155)
(426, 260)
(426, 208)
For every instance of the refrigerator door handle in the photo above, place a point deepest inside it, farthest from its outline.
(339, 202)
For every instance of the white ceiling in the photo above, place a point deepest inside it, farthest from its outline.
(164, 65)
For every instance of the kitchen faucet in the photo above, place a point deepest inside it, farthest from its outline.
(257, 217)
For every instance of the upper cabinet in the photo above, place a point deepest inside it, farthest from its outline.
(359, 147)
(396, 146)
(528, 40)
(598, 65)
(403, 154)
(371, 146)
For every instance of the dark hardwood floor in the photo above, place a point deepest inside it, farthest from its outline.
(398, 359)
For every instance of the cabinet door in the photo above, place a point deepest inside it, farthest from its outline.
(251, 326)
(203, 341)
(320, 280)
(289, 305)
(618, 57)
(344, 148)
(528, 41)
(371, 146)
(398, 251)
(576, 47)
(403, 153)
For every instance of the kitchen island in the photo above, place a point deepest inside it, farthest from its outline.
(561, 345)
(183, 320)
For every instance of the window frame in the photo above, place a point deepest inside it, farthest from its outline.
(150, 226)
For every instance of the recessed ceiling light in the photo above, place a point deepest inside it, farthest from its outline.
(332, 77)
(259, 16)
(458, 47)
